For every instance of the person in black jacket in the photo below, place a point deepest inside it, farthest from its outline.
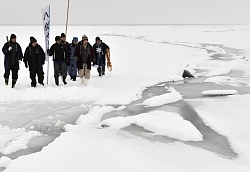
(63, 41)
(13, 56)
(60, 57)
(100, 49)
(34, 58)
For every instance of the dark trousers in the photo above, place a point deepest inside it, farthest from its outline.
(40, 74)
(60, 67)
(14, 73)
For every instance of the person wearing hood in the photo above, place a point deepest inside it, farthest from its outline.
(12, 57)
(34, 59)
(84, 55)
(72, 68)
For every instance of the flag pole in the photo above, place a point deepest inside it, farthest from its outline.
(48, 55)
(67, 19)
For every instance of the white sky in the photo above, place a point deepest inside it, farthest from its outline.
(85, 12)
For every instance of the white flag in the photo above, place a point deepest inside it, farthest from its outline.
(46, 27)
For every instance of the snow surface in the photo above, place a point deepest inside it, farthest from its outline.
(219, 92)
(12, 140)
(160, 100)
(5, 161)
(230, 118)
(141, 56)
(160, 123)
(218, 79)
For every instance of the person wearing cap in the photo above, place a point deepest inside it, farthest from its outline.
(72, 68)
(13, 55)
(84, 55)
(60, 57)
(100, 49)
(34, 59)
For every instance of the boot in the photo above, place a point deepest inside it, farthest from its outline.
(57, 81)
(82, 80)
(99, 70)
(6, 81)
(13, 83)
(86, 82)
(103, 71)
(74, 78)
(64, 80)
(33, 83)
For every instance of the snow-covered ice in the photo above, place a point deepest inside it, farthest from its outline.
(160, 123)
(160, 100)
(219, 92)
(141, 56)
(12, 140)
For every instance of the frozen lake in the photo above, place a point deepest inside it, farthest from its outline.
(122, 105)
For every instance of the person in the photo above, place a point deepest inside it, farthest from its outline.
(60, 57)
(12, 57)
(72, 68)
(100, 49)
(63, 41)
(84, 55)
(34, 59)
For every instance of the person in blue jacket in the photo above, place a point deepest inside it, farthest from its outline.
(72, 68)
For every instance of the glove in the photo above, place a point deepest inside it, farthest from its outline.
(10, 48)
(76, 58)
(26, 65)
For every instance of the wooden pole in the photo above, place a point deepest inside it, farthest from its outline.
(67, 19)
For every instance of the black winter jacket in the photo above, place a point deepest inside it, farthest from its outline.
(59, 52)
(34, 56)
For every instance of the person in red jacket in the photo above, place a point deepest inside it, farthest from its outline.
(84, 55)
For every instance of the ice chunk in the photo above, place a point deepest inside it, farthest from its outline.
(160, 123)
(219, 92)
(167, 98)
(5, 161)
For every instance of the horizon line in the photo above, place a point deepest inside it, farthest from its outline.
(118, 24)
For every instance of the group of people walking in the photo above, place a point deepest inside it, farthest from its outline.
(75, 59)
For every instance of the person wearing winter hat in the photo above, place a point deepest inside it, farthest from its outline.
(12, 57)
(84, 55)
(72, 68)
(60, 57)
(34, 59)
(100, 49)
